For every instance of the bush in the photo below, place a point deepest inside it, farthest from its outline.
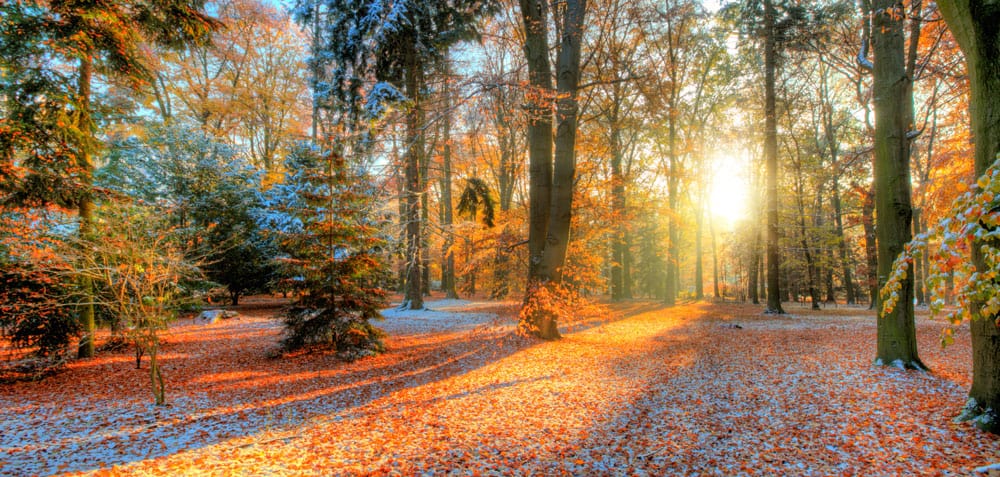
(352, 337)
(35, 310)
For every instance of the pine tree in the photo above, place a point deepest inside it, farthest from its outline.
(334, 248)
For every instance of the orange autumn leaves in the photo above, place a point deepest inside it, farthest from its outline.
(653, 392)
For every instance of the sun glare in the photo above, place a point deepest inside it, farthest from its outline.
(729, 194)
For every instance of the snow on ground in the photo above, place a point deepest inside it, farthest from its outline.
(438, 316)
(675, 391)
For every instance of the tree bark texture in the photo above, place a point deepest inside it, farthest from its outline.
(771, 163)
(413, 293)
(548, 254)
(618, 250)
(976, 26)
(539, 107)
(897, 341)
(871, 248)
(86, 206)
(447, 210)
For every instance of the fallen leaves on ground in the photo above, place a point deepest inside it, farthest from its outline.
(660, 391)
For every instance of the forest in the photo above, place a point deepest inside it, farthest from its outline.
(498, 237)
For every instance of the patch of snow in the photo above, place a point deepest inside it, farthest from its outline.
(436, 316)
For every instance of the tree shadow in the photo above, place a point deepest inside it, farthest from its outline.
(220, 386)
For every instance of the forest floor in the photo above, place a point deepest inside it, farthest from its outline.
(638, 389)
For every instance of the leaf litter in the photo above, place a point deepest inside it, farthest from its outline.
(696, 389)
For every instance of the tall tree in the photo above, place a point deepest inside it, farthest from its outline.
(897, 341)
(326, 221)
(771, 161)
(41, 42)
(976, 26)
(551, 193)
(447, 209)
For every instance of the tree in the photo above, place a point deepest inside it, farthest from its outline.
(897, 342)
(551, 177)
(974, 25)
(43, 40)
(447, 209)
(208, 191)
(245, 86)
(771, 161)
(139, 264)
(323, 215)
(33, 285)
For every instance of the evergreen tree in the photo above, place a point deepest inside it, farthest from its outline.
(209, 192)
(323, 215)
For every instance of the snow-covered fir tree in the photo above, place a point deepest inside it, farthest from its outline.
(323, 214)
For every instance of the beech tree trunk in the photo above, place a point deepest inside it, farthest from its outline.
(771, 163)
(551, 188)
(897, 341)
(536, 50)
(699, 267)
(618, 250)
(976, 26)
(715, 261)
(753, 285)
(447, 210)
(845, 262)
(807, 252)
(871, 249)
(567, 81)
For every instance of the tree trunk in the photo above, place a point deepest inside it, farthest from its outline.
(754, 282)
(86, 206)
(699, 271)
(413, 295)
(845, 262)
(811, 267)
(447, 210)
(548, 254)
(897, 342)
(871, 248)
(539, 109)
(627, 267)
(918, 265)
(315, 72)
(715, 261)
(156, 375)
(618, 209)
(975, 26)
(424, 174)
(567, 80)
(771, 163)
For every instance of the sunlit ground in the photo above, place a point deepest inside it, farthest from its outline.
(697, 389)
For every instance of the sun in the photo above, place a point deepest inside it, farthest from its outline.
(729, 194)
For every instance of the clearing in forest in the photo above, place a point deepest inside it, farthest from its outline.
(698, 389)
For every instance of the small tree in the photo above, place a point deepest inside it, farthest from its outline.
(333, 243)
(138, 265)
